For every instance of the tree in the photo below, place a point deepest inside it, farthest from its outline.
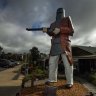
(43, 55)
(35, 71)
(35, 53)
(35, 56)
(1, 49)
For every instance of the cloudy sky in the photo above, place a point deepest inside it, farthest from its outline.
(16, 15)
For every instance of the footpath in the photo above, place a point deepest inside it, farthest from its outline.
(9, 85)
(87, 85)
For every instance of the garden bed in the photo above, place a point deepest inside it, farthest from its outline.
(77, 90)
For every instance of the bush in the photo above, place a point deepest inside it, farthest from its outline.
(39, 71)
(40, 74)
(27, 77)
(92, 78)
(94, 82)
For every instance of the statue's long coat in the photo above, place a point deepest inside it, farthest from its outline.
(66, 30)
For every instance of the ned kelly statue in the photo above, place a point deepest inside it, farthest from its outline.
(60, 31)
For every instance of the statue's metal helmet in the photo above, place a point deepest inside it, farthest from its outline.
(60, 13)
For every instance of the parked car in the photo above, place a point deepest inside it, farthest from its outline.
(15, 62)
(6, 63)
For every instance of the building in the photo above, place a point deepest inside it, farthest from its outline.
(84, 58)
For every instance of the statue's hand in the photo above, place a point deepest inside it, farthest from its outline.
(56, 31)
(44, 29)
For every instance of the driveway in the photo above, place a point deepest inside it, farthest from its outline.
(1, 69)
(8, 85)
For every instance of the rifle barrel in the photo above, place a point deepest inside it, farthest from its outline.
(34, 29)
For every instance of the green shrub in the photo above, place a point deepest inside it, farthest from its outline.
(94, 82)
(39, 71)
(40, 74)
(28, 77)
(92, 78)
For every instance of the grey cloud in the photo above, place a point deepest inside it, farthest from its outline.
(16, 38)
(19, 14)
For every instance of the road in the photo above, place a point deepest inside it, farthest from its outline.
(9, 83)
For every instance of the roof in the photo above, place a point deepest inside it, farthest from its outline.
(87, 48)
(86, 57)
